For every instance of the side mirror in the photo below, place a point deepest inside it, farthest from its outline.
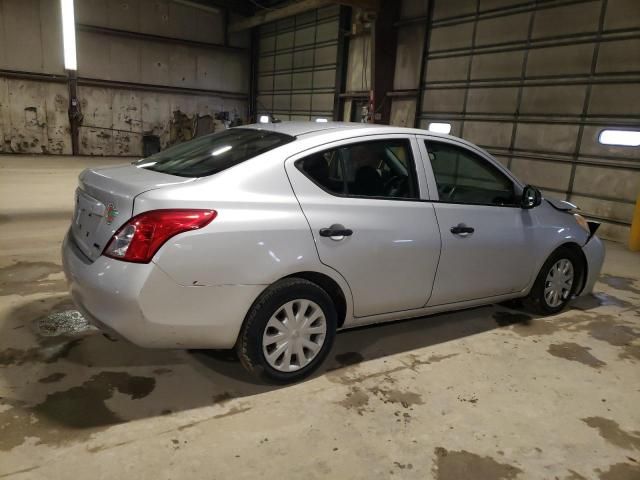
(531, 197)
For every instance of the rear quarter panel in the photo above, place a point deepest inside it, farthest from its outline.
(259, 235)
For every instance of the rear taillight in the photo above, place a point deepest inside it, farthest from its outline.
(140, 238)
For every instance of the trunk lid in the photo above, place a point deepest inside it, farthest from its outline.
(104, 202)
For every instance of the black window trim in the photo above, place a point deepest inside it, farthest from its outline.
(516, 185)
(413, 174)
(286, 139)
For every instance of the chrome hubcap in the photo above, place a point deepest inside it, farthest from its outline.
(294, 335)
(557, 286)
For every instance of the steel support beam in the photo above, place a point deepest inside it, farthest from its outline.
(94, 82)
(343, 58)
(80, 27)
(383, 59)
(423, 64)
(253, 76)
(75, 113)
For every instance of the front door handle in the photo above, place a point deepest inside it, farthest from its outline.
(336, 232)
(462, 230)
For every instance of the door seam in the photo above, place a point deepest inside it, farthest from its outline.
(435, 277)
(313, 237)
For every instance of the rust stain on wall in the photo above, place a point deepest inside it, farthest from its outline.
(33, 117)
(182, 127)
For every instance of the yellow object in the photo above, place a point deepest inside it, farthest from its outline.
(634, 238)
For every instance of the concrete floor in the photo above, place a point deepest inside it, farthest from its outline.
(485, 393)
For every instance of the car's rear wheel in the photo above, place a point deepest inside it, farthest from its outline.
(556, 283)
(288, 331)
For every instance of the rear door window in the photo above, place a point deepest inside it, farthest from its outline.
(380, 169)
(213, 153)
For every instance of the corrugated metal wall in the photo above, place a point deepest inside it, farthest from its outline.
(535, 83)
(296, 74)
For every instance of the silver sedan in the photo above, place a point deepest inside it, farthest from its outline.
(268, 238)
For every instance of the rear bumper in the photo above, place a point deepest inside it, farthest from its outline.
(144, 305)
(594, 253)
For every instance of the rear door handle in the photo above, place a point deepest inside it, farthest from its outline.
(462, 230)
(336, 230)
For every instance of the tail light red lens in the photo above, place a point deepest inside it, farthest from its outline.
(139, 239)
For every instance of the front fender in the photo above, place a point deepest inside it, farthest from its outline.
(552, 229)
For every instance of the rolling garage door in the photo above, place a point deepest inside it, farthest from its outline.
(296, 74)
(535, 83)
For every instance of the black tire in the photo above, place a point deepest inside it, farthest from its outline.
(536, 301)
(249, 345)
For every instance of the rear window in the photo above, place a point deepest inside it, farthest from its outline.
(213, 153)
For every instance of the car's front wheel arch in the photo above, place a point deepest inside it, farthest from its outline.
(582, 264)
(570, 252)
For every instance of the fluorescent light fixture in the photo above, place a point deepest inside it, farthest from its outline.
(440, 128)
(221, 150)
(69, 34)
(321, 120)
(264, 118)
(623, 138)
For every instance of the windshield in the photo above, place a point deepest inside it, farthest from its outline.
(213, 153)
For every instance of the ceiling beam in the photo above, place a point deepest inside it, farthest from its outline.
(277, 14)
(235, 6)
(295, 9)
(371, 5)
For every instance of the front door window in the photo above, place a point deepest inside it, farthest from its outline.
(463, 177)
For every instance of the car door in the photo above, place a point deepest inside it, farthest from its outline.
(362, 199)
(486, 237)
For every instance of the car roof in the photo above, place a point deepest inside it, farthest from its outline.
(297, 129)
(304, 129)
(315, 131)
(313, 134)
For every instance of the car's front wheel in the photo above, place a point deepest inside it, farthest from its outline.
(556, 283)
(288, 331)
